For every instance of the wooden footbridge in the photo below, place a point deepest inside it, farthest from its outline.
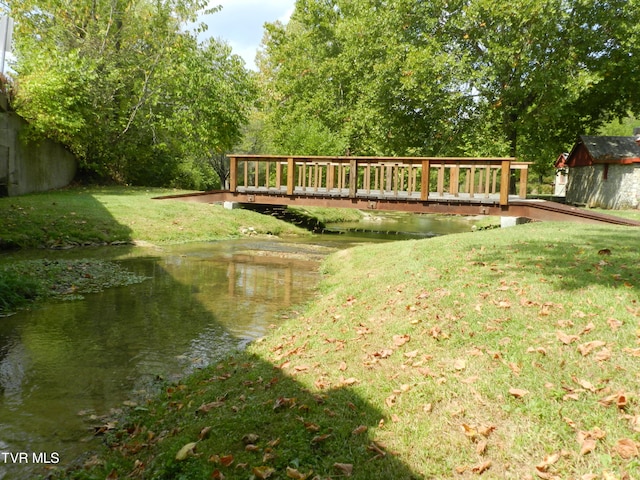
(462, 186)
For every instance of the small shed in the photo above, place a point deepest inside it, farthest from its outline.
(604, 172)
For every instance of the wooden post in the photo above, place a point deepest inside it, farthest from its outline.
(441, 180)
(278, 174)
(424, 185)
(256, 174)
(330, 176)
(291, 167)
(353, 178)
(524, 173)
(472, 182)
(454, 180)
(504, 182)
(233, 174)
(487, 182)
(266, 174)
(367, 178)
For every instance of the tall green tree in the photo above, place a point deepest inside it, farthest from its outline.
(126, 87)
(450, 77)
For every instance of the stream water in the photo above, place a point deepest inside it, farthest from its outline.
(66, 367)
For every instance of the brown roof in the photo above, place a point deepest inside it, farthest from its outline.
(604, 149)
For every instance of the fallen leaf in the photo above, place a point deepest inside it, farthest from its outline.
(345, 468)
(311, 427)
(627, 448)
(587, 385)
(460, 364)
(566, 338)
(187, 451)
(359, 430)
(548, 460)
(320, 438)
(206, 407)
(603, 354)
(587, 446)
(614, 324)
(481, 446)
(481, 467)
(586, 348)
(226, 460)
(399, 340)
(588, 328)
(263, 472)
(204, 433)
(250, 438)
(296, 475)
(539, 350)
(217, 475)
(349, 381)
(518, 393)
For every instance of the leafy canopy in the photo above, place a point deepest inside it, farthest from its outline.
(470, 77)
(127, 88)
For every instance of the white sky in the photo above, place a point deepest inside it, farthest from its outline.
(240, 23)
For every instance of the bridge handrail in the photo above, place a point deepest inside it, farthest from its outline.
(335, 173)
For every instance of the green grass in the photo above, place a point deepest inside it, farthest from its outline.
(99, 215)
(509, 353)
(328, 215)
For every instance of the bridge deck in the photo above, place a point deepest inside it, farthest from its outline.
(463, 186)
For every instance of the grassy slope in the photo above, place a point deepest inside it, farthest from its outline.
(107, 214)
(507, 353)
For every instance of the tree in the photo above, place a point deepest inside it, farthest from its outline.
(473, 77)
(120, 82)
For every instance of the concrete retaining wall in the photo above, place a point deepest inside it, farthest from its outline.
(31, 167)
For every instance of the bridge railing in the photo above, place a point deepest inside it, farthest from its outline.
(417, 178)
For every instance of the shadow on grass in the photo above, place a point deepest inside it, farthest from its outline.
(58, 219)
(246, 417)
(115, 343)
(604, 257)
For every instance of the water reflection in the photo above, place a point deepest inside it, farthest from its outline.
(200, 302)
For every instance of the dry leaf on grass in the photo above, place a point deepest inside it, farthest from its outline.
(187, 451)
(518, 392)
(566, 338)
(345, 468)
(481, 467)
(627, 448)
(296, 475)
(262, 472)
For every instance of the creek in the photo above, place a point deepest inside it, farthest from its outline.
(67, 368)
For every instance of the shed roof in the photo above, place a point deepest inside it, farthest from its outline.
(603, 149)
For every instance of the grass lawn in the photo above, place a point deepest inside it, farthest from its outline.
(508, 353)
(79, 216)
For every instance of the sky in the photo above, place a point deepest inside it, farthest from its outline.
(240, 23)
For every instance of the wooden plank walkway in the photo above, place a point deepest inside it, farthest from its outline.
(462, 186)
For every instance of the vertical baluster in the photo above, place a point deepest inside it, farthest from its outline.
(472, 182)
(441, 180)
(487, 181)
(291, 167)
(424, 185)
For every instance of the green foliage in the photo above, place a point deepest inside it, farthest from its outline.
(131, 93)
(622, 127)
(16, 290)
(478, 77)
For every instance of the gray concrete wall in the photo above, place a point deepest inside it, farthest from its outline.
(620, 190)
(30, 167)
